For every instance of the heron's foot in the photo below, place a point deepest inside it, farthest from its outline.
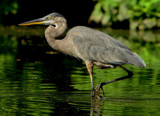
(97, 90)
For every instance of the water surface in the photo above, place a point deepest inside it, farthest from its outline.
(35, 80)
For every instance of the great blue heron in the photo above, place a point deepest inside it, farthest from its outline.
(92, 46)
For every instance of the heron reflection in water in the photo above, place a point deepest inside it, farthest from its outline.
(92, 46)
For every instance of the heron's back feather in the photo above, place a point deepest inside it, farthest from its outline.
(95, 46)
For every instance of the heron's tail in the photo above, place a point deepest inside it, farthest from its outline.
(135, 59)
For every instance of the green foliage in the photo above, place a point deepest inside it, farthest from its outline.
(11, 8)
(141, 14)
(8, 7)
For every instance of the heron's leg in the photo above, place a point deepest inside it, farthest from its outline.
(89, 66)
(99, 86)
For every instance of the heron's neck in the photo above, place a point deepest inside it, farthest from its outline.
(51, 33)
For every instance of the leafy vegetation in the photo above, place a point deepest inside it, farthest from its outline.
(8, 7)
(141, 14)
(135, 14)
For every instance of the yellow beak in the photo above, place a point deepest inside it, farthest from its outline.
(33, 22)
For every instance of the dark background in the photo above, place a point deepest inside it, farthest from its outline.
(76, 12)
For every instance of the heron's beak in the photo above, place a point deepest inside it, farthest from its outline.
(33, 22)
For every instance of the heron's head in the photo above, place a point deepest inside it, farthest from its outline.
(54, 19)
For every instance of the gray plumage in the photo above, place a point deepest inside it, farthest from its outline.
(95, 46)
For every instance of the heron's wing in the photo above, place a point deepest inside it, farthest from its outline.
(95, 46)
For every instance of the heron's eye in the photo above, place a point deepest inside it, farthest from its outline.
(48, 18)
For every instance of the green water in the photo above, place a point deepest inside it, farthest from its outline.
(35, 80)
